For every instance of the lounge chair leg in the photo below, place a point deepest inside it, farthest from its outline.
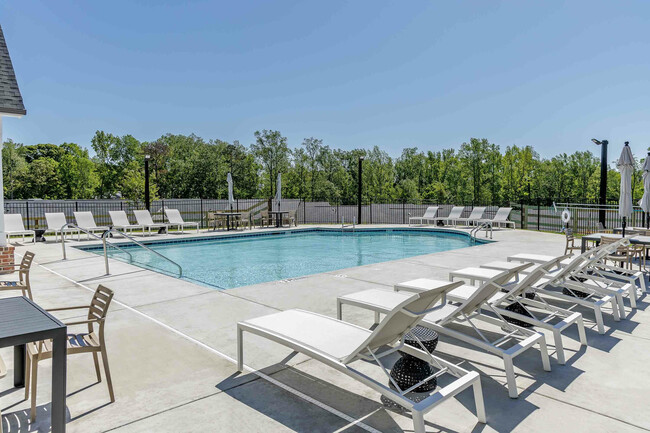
(543, 349)
(107, 371)
(240, 349)
(581, 331)
(559, 347)
(599, 319)
(377, 318)
(510, 376)
(478, 401)
(339, 310)
(418, 421)
(616, 312)
(621, 305)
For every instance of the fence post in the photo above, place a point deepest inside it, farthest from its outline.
(337, 212)
(538, 213)
(201, 216)
(371, 212)
(403, 211)
(27, 212)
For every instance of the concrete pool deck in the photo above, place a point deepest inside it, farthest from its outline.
(171, 343)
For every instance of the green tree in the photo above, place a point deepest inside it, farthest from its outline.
(271, 150)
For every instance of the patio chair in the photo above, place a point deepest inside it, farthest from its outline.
(87, 342)
(445, 320)
(86, 221)
(14, 226)
(454, 214)
(214, 220)
(474, 216)
(265, 219)
(570, 242)
(245, 220)
(290, 218)
(22, 269)
(500, 218)
(176, 219)
(338, 344)
(3, 373)
(121, 222)
(143, 217)
(54, 223)
(428, 215)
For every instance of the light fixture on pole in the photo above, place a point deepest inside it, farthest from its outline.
(146, 181)
(603, 179)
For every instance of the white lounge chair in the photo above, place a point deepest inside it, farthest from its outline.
(338, 345)
(500, 218)
(14, 227)
(474, 216)
(57, 220)
(429, 215)
(175, 219)
(143, 217)
(566, 285)
(530, 309)
(86, 221)
(383, 301)
(121, 222)
(454, 214)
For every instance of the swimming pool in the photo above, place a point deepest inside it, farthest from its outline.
(230, 261)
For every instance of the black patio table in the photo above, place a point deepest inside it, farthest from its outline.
(278, 216)
(230, 218)
(22, 322)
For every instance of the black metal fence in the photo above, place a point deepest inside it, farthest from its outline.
(539, 215)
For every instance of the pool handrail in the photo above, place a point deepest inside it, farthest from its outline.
(67, 225)
(112, 230)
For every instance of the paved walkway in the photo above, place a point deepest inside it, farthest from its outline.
(171, 343)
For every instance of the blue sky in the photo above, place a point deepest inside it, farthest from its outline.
(429, 74)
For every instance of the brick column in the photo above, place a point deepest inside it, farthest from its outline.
(6, 258)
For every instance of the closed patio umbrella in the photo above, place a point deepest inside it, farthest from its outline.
(278, 190)
(231, 194)
(645, 200)
(625, 165)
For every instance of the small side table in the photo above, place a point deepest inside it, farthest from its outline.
(409, 370)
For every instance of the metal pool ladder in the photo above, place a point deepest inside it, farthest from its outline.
(485, 225)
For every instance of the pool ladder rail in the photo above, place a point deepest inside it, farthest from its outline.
(485, 225)
(353, 225)
(106, 244)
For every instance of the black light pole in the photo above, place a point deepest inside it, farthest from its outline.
(146, 181)
(603, 178)
(361, 158)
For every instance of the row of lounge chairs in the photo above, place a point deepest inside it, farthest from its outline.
(527, 289)
(476, 217)
(86, 222)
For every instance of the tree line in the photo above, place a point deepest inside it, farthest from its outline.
(188, 166)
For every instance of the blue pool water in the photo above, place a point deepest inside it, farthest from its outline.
(245, 259)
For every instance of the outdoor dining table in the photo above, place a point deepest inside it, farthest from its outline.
(595, 237)
(278, 216)
(230, 216)
(21, 322)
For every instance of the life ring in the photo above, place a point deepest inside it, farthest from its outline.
(566, 216)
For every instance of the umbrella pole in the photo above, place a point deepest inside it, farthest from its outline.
(624, 224)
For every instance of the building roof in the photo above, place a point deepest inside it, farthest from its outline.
(11, 102)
